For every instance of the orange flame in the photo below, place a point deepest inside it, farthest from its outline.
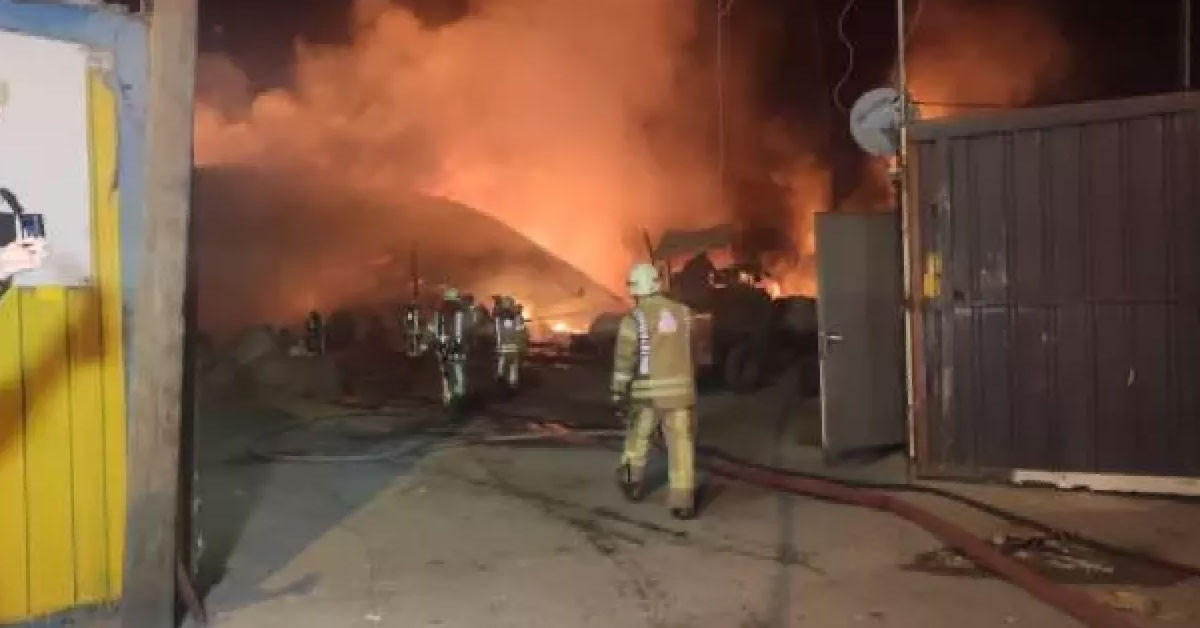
(533, 111)
(575, 133)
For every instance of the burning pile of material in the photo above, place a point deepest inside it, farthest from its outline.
(562, 120)
(576, 124)
(288, 246)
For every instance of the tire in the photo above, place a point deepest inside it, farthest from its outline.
(743, 368)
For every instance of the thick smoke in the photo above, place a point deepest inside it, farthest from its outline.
(566, 121)
(577, 124)
(970, 57)
(966, 56)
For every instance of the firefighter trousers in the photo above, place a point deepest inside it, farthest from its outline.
(679, 433)
(508, 369)
(454, 380)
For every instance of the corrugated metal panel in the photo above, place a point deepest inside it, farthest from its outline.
(1066, 333)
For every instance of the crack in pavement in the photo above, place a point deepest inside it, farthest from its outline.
(676, 537)
(651, 598)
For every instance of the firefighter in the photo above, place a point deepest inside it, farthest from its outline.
(511, 341)
(653, 384)
(314, 333)
(414, 332)
(472, 309)
(449, 329)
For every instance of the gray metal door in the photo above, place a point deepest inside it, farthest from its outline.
(861, 331)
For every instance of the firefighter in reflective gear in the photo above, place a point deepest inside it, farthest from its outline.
(654, 381)
(511, 340)
(449, 328)
(314, 333)
(414, 332)
(472, 309)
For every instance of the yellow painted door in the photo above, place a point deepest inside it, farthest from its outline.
(62, 417)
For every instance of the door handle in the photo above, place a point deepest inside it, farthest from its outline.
(826, 340)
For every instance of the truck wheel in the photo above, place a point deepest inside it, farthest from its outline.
(743, 369)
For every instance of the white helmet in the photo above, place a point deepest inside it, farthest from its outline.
(643, 280)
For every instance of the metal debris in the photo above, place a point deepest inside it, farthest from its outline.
(1052, 551)
(1130, 601)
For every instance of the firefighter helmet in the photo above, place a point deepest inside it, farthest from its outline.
(644, 281)
(450, 294)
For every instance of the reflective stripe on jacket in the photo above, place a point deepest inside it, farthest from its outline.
(652, 361)
(510, 332)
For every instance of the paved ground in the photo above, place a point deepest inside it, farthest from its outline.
(490, 537)
(525, 537)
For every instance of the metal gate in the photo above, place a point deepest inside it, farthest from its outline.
(1058, 257)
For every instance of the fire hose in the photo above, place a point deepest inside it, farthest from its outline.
(1069, 601)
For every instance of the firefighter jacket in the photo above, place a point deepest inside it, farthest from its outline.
(314, 333)
(652, 363)
(511, 335)
(411, 321)
(450, 328)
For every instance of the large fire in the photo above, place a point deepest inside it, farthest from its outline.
(580, 124)
(563, 120)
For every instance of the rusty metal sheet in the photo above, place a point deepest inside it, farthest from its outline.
(960, 177)
(1185, 397)
(1115, 431)
(1029, 217)
(1066, 334)
(1034, 419)
(1148, 244)
(1067, 215)
(1101, 185)
(994, 401)
(1183, 155)
(1153, 425)
(961, 450)
(1074, 387)
(990, 236)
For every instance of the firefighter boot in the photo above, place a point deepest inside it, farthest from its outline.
(684, 513)
(632, 488)
(506, 390)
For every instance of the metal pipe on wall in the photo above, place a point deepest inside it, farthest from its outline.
(902, 206)
(1185, 44)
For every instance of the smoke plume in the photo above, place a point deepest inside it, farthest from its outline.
(565, 121)
(966, 56)
(577, 125)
